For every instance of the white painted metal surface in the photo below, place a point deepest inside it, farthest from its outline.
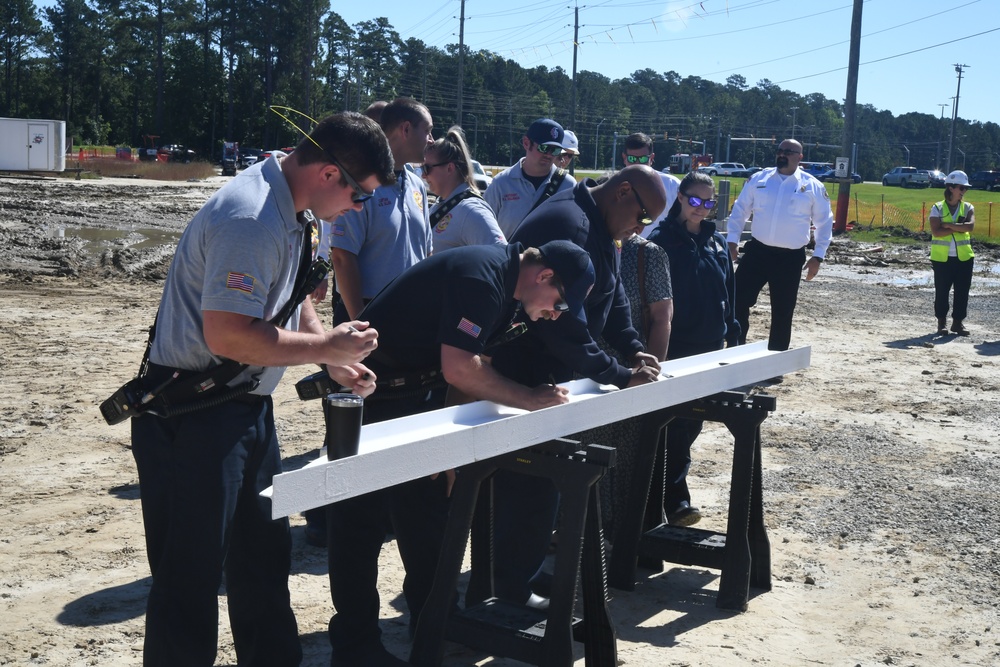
(400, 450)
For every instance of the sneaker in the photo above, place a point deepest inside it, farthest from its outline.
(959, 328)
(684, 515)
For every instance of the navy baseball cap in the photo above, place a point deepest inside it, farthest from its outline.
(546, 131)
(572, 265)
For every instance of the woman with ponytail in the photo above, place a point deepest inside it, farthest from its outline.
(461, 216)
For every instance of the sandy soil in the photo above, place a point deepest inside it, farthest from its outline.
(880, 463)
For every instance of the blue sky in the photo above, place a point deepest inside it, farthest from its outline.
(910, 46)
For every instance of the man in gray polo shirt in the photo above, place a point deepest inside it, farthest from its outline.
(201, 471)
(516, 191)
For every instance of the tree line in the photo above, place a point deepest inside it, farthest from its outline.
(200, 72)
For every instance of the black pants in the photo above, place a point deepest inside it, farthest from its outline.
(953, 273)
(356, 531)
(200, 476)
(781, 270)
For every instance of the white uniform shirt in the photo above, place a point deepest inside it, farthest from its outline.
(671, 184)
(511, 195)
(783, 211)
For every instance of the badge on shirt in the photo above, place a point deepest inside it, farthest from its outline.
(826, 194)
(240, 281)
(511, 196)
(465, 326)
(443, 224)
(418, 197)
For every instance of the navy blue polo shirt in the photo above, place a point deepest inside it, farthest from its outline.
(459, 297)
(554, 350)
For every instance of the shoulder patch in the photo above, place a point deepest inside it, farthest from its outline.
(240, 281)
(467, 327)
(418, 197)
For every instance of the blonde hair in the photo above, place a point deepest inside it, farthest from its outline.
(452, 148)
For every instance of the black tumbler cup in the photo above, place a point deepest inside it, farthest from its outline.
(343, 424)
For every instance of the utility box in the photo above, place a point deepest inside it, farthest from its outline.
(28, 144)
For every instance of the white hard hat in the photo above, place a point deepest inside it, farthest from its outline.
(957, 177)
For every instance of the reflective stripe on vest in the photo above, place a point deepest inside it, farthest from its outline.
(962, 240)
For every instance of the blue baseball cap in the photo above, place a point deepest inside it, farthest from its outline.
(546, 131)
(572, 265)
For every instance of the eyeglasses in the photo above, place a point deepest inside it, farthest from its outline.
(426, 168)
(641, 159)
(549, 149)
(787, 151)
(954, 186)
(644, 218)
(698, 201)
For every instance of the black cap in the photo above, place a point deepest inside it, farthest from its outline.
(546, 131)
(572, 265)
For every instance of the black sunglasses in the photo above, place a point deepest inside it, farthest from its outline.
(560, 305)
(641, 159)
(698, 201)
(644, 217)
(952, 186)
(787, 151)
(548, 149)
(426, 168)
(360, 195)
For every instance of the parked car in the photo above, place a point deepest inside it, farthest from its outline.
(906, 177)
(480, 176)
(724, 169)
(248, 157)
(753, 170)
(985, 180)
(831, 174)
(176, 153)
(936, 177)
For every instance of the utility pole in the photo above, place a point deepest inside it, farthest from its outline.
(794, 109)
(597, 145)
(937, 158)
(954, 114)
(576, 37)
(850, 104)
(461, 64)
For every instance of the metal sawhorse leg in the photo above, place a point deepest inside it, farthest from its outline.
(743, 552)
(501, 628)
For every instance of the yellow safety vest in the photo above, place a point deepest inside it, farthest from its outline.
(963, 240)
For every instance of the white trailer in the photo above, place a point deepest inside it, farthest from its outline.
(27, 144)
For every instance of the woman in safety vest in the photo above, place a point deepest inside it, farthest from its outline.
(952, 221)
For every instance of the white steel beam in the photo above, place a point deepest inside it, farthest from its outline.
(399, 450)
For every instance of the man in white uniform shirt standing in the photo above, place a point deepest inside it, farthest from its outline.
(786, 203)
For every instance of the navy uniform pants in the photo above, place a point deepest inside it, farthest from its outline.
(781, 270)
(200, 476)
(356, 529)
(953, 273)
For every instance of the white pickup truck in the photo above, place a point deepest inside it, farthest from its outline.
(907, 177)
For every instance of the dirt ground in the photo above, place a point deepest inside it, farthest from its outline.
(881, 467)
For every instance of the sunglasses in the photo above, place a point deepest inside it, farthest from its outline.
(560, 305)
(956, 186)
(548, 149)
(426, 168)
(787, 151)
(644, 218)
(633, 159)
(698, 201)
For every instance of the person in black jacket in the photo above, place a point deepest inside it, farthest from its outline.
(701, 273)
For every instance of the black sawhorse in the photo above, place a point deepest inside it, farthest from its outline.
(516, 631)
(743, 552)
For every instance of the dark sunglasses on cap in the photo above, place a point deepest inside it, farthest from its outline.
(640, 159)
(644, 218)
(698, 201)
(549, 149)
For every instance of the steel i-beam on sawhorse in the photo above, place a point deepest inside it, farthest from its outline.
(500, 628)
(743, 552)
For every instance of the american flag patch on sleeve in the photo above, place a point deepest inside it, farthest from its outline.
(465, 326)
(338, 229)
(240, 281)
